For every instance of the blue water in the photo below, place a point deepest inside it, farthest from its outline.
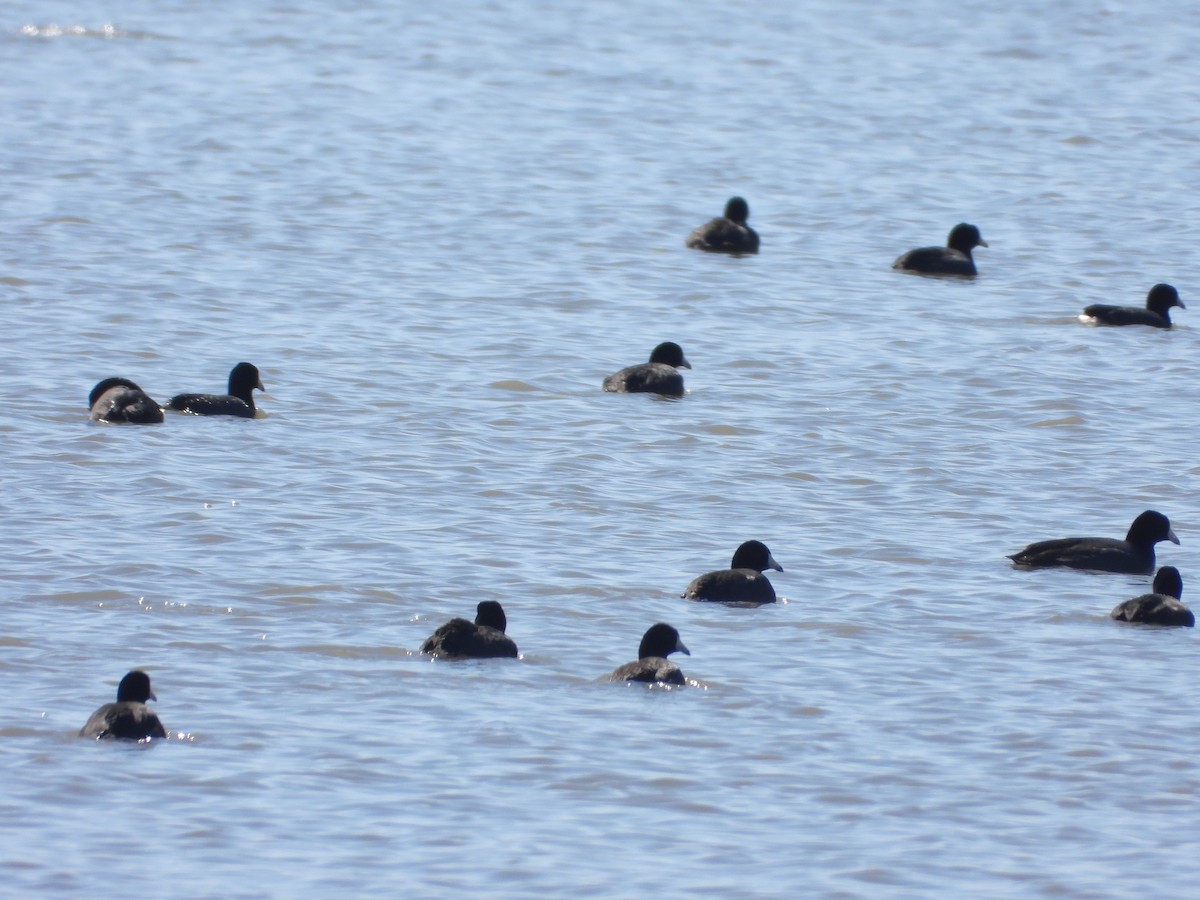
(435, 232)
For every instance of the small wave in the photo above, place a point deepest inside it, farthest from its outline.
(107, 31)
(514, 385)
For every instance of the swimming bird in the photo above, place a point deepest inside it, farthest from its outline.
(658, 376)
(482, 639)
(1162, 607)
(651, 666)
(742, 582)
(129, 718)
(1156, 314)
(1134, 555)
(243, 379)
(953, 259)
(120, 400)
(727, 234)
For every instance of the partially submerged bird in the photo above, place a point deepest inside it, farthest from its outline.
(1162, 606)
(742, 582)
(727, 234)
(120, 400)
(651, 666)
(1157, 313)
(953, 259)
(243, 380)
(658, 376)
(129, 718)
(1134, 555)
(482, 639)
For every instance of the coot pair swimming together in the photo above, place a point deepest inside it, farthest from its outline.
(730, 234)
(119, 400)
(1133, 556)
(485, 639)
(956, 259)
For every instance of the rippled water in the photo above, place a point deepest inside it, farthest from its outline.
(435, 232)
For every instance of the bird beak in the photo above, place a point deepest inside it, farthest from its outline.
(982, 242)
(771, 564)
(1179, 303)
(152, 697)
(679, 646)
(1171, 536)
(687, 365)
(260, 385)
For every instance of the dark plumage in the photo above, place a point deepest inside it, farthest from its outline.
(953, 259)
(482, 639)
(728, 234)
(742, 582)
(1156, 314)
(659, 376)
(651, 666)
(243, 380)
(129, 718)
(120, 400)
(1134, 555)
(1162, 607)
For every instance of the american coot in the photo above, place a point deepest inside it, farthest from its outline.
(728, 234)
(742, 582)
(659, 376)
(651, 666)
(953, 259)
(482, 639)
(1157, 312)
(243, 380)
(1134, 555)
(120, 400)
(129, 718)
(1162, 607)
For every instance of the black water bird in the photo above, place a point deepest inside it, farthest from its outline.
(727, 234)
(243, 380)
(129, 718)
(482, 639)
(742, 582)
(953, 259)
(1157, 313)
(120, 400)
(658, 376)
(651, 666)
(1162, 606)
(1133, 556)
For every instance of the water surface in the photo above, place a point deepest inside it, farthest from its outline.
(435, 232)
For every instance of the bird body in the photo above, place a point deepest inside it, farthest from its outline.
(658, 376)
(1134, 555)
(482, 639)
(953, 259)
(651, 666)
(728, 233)
(119, 400)
(742, 582)
(1157, 313)
(129, 718)
(1160, 607)
(243, 381)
